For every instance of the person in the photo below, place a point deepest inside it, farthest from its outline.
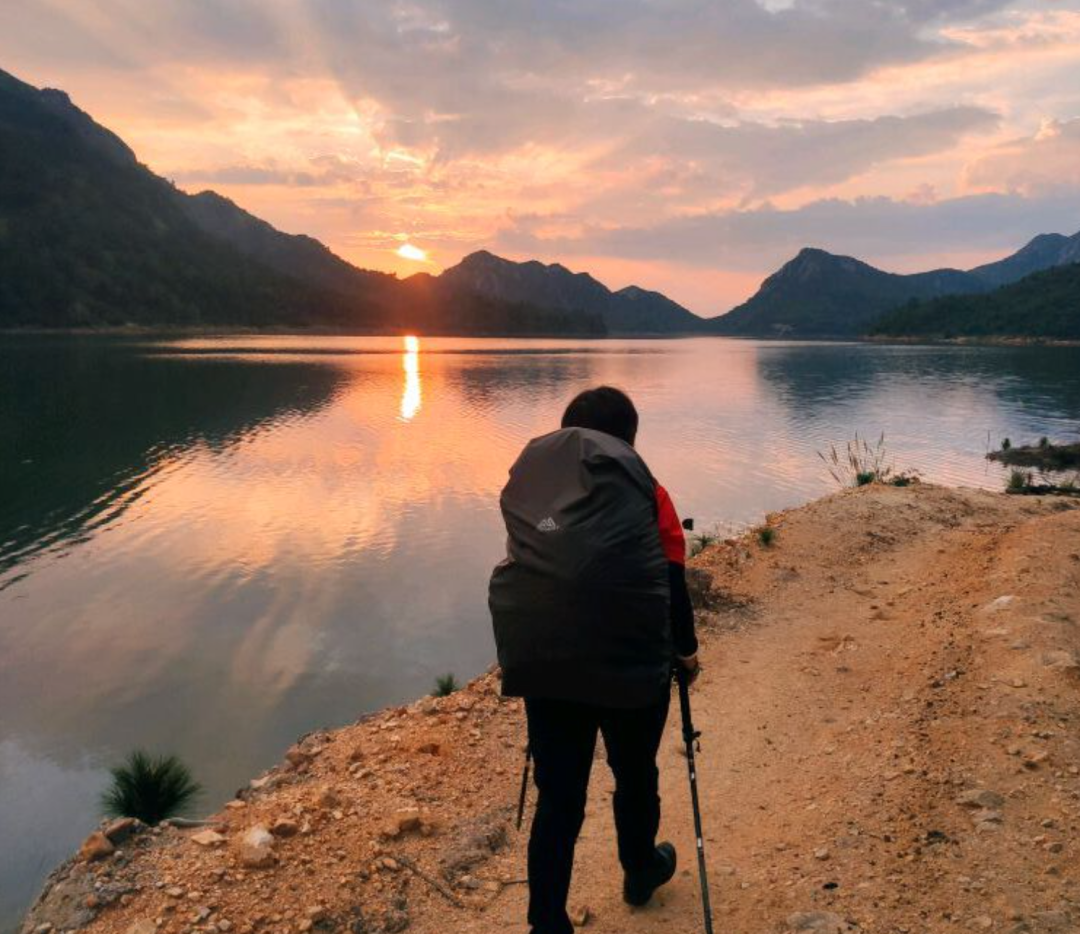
(598, 670)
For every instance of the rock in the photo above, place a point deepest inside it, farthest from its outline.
(1061, 661)
(821, 853)
(44, 928)
(821, 922)
(988, 817)
(1052, 921)
(329, 798)
(142, 926)
(297, 757)
(981, 798)
(1034, 759)
(96, 846)
(283, 827)
(407, 819)
(580, 916)
(394, 921)
(174, 892)
(357, 753)
(431, 749)
(208, 837)
(123, 827)
(1000, 603)
(256, 848)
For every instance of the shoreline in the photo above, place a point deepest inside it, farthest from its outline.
(405, 818)
(166, 332)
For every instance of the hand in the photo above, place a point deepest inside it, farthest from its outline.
(691, 666)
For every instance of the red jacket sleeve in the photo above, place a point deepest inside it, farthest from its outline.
(671, 533)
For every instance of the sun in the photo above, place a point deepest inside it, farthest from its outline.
(408, 251)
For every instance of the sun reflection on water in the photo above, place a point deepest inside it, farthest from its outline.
(410, 361)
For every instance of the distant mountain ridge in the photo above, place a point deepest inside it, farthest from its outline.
(820, 294)
(631, 310)
(90, 237)
(1044, 305)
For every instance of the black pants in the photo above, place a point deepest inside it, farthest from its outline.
(562, 736)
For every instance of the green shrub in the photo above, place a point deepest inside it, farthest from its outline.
(445, 685)
(1019, 480)
(1006, 444)
(701, 541)
(151, 789)
(766, 535)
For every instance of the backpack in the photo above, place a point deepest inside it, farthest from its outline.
(580, 605)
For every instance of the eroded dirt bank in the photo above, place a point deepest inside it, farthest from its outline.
(890, 708)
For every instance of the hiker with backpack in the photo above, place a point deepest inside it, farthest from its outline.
(591, 612)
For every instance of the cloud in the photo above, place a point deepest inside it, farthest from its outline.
(763, 160)
(323, 171)
(761, 238)
(1036, 165)
(705, 135)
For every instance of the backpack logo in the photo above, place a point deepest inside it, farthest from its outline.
(547, 525)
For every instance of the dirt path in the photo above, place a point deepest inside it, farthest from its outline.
(867, 688)
(890, 711)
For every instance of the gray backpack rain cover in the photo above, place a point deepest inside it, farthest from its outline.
(580, 605)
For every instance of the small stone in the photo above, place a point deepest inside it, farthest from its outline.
(1061, 661)
(1000, 603)
(122, 828)
(820, 922)
(96, 846)
(357, 753)
(1034, 759)
(821, 853)
(983, 922)
(316, 913)
(297, 757)
(329, 798)
(236, 805)
(1056, 847)
(174, 892)
(208, 838)
(981, 798)
(142, 926)
(431, 749)
(44, 928)
(256, 848)
(283, 827)
(580, 916)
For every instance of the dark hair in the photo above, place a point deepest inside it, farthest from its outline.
(603, 409)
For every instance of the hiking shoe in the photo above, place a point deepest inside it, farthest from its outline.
(638, 888)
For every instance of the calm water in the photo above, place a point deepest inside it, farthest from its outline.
(212, 546)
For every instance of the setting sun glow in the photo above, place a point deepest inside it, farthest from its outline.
(408, 251)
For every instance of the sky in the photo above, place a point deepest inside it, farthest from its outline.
(688, 146)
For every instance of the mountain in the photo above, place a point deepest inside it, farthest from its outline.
(629, 311)
(90, 237)
(1043, 305)
(1043, 252)
(819, 294)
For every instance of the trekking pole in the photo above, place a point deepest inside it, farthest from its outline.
(690, 737)
(524, 785)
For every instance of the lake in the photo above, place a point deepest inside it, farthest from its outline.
(211, 546)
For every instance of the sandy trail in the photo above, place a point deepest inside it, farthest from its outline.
(872, 681)
(893, 653)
